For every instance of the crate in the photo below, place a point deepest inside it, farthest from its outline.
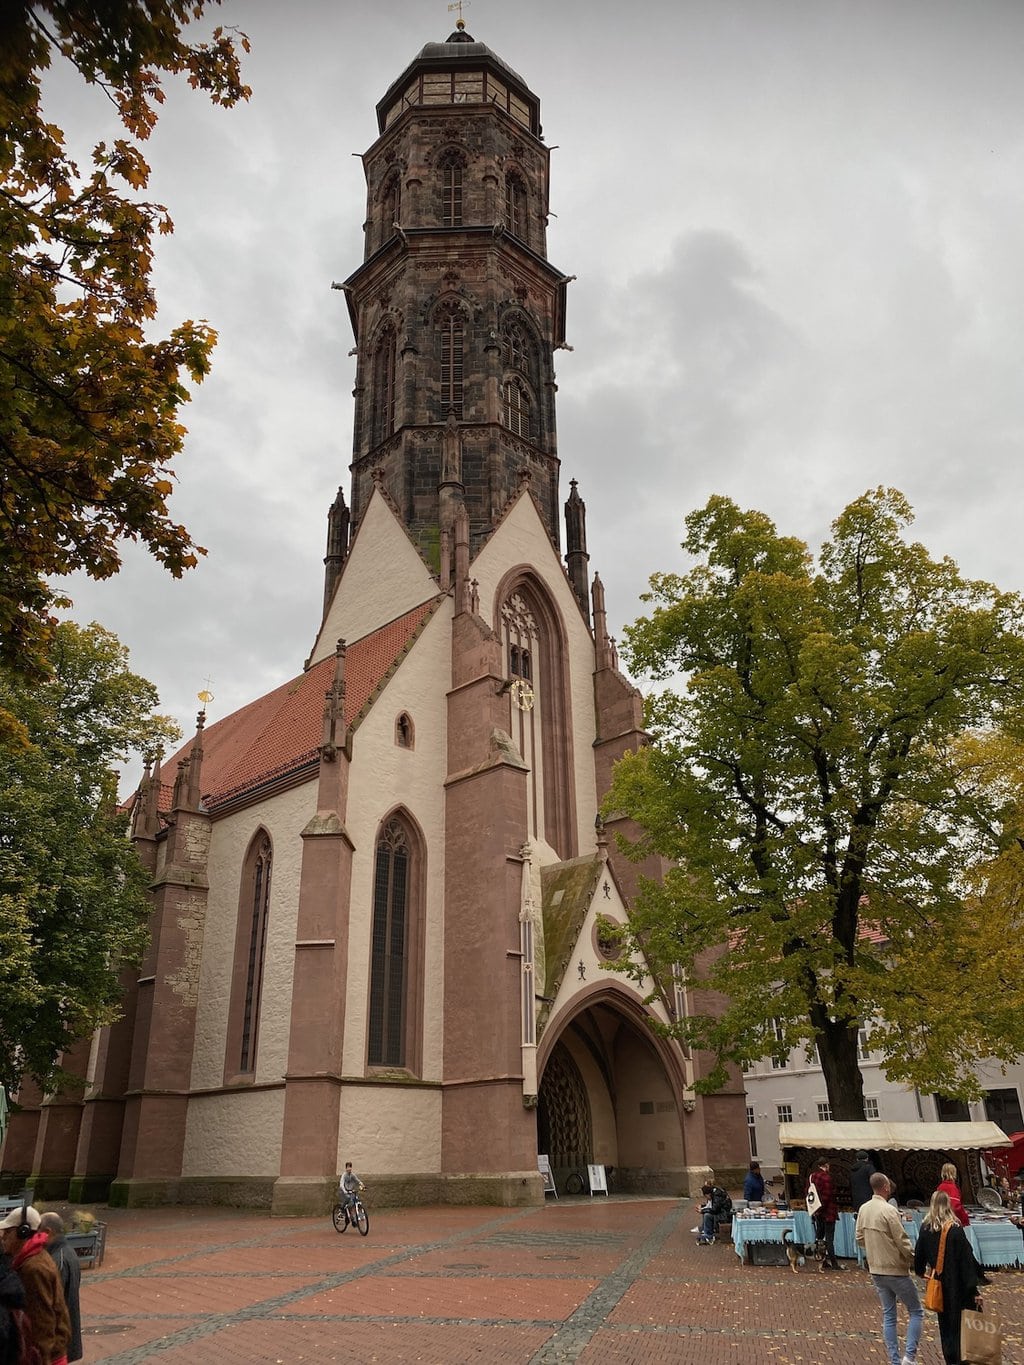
(767, 1253)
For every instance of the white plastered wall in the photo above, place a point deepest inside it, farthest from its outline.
(366, 596)
(522, 539)
(249, 1121)
(402, 1121)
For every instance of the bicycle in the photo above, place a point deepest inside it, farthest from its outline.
(353, 1213)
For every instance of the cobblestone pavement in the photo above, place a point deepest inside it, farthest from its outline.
(617, 1281)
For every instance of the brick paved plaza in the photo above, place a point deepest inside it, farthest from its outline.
(609, 1280)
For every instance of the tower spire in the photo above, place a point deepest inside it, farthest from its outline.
(576, 557)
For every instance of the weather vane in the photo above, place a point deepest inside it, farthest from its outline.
(205, 696)
(460, 22)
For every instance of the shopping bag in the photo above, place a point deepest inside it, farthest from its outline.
(981, 1337)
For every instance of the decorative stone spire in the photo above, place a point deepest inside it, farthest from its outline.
(576, 557)
(333, 736)
(604, 649)
(146, 806)
(195, 765)
(461, 560)
(337, 545)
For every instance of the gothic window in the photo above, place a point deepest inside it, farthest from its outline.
(391, 207)
(384, 385)
(515, 206)
(404, 732)
(533, 636)
(516, 349)
(451, 168)
(250, 956)
(516, 406)
(452, 341)
(396, 949)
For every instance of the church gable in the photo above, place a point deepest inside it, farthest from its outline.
(383, 576)
(274, 741)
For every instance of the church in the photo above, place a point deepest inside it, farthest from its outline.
(383, 896)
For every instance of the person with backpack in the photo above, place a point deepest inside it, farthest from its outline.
(45, 1307)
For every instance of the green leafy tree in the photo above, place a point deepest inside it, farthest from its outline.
(831, 833)
(73, 904)
(89, 403)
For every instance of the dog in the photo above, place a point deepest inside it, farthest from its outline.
(798, 1255)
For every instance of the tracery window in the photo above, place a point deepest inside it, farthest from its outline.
(515, 206)
(451, 190)
(250, 952)
(452, 340)
(516, 349)
(517, 408)
(395, 949)
(384, 385)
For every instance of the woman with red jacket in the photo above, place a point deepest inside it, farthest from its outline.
(949, 1186)
(826, 1216)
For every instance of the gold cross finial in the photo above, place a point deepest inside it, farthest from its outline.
(460, 22)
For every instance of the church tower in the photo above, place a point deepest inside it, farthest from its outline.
(456, 309)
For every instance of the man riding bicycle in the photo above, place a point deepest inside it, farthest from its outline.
(350, 1186)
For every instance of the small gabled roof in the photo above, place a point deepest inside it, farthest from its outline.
(279, 733)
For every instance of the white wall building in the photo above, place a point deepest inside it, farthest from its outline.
(793, 1091)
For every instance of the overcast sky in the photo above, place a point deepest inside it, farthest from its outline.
(797, 227)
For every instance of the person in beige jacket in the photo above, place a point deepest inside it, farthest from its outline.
(884, 1239)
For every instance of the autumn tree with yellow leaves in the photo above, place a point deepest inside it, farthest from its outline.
(89, 400)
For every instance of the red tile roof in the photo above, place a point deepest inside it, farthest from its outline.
(280, 732)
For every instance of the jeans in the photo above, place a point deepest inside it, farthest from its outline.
(889, 1289)
(709, 1224)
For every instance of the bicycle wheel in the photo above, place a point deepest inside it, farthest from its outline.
(339, 1218)
(361, 1218)
(574, 1184)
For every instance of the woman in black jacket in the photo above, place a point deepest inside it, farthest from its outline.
(961, 1275)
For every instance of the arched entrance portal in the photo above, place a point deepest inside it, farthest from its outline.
(610, 1095)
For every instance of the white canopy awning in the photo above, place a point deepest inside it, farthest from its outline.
(893, 1137)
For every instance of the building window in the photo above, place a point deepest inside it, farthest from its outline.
(251, 928)
(405, 734)
(384, 386)
(515, 206)
(517, 352)
(871, 1107)
(1003, 1107)
(391, 207)
(824, 1112)
(951, 1111)
(389, 949)
(451, 191)
(452, 341)
(751, 1130)
(517, 407)
(784, 1112)
(779, 1033)
(863, 1045)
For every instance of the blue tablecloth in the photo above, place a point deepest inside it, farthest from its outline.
(994, 1244)
(746, 1230)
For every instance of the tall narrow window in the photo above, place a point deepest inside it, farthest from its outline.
(251, 945)
(516, 350)
(391, 208)
(451, 328)
(389, 949)
(515, 206)
(517, 408)
(451, 191)
(384, 386)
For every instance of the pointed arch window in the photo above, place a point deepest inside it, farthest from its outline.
(395, 1016)
(452, 340)
(515, 206)
(250, 958)
(516, 348)
(384, 385)
(451, 190)
(517, 407)
(391, 207)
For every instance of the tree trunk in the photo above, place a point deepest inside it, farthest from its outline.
(837, 1049)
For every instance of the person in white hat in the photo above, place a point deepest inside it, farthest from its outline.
(25, 1244)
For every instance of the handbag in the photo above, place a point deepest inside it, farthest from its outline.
(813, 1198)
(981, 1337)
(933, 1284)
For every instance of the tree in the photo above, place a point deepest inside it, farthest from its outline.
(73, 903)
(89, 404)
(833, 836)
